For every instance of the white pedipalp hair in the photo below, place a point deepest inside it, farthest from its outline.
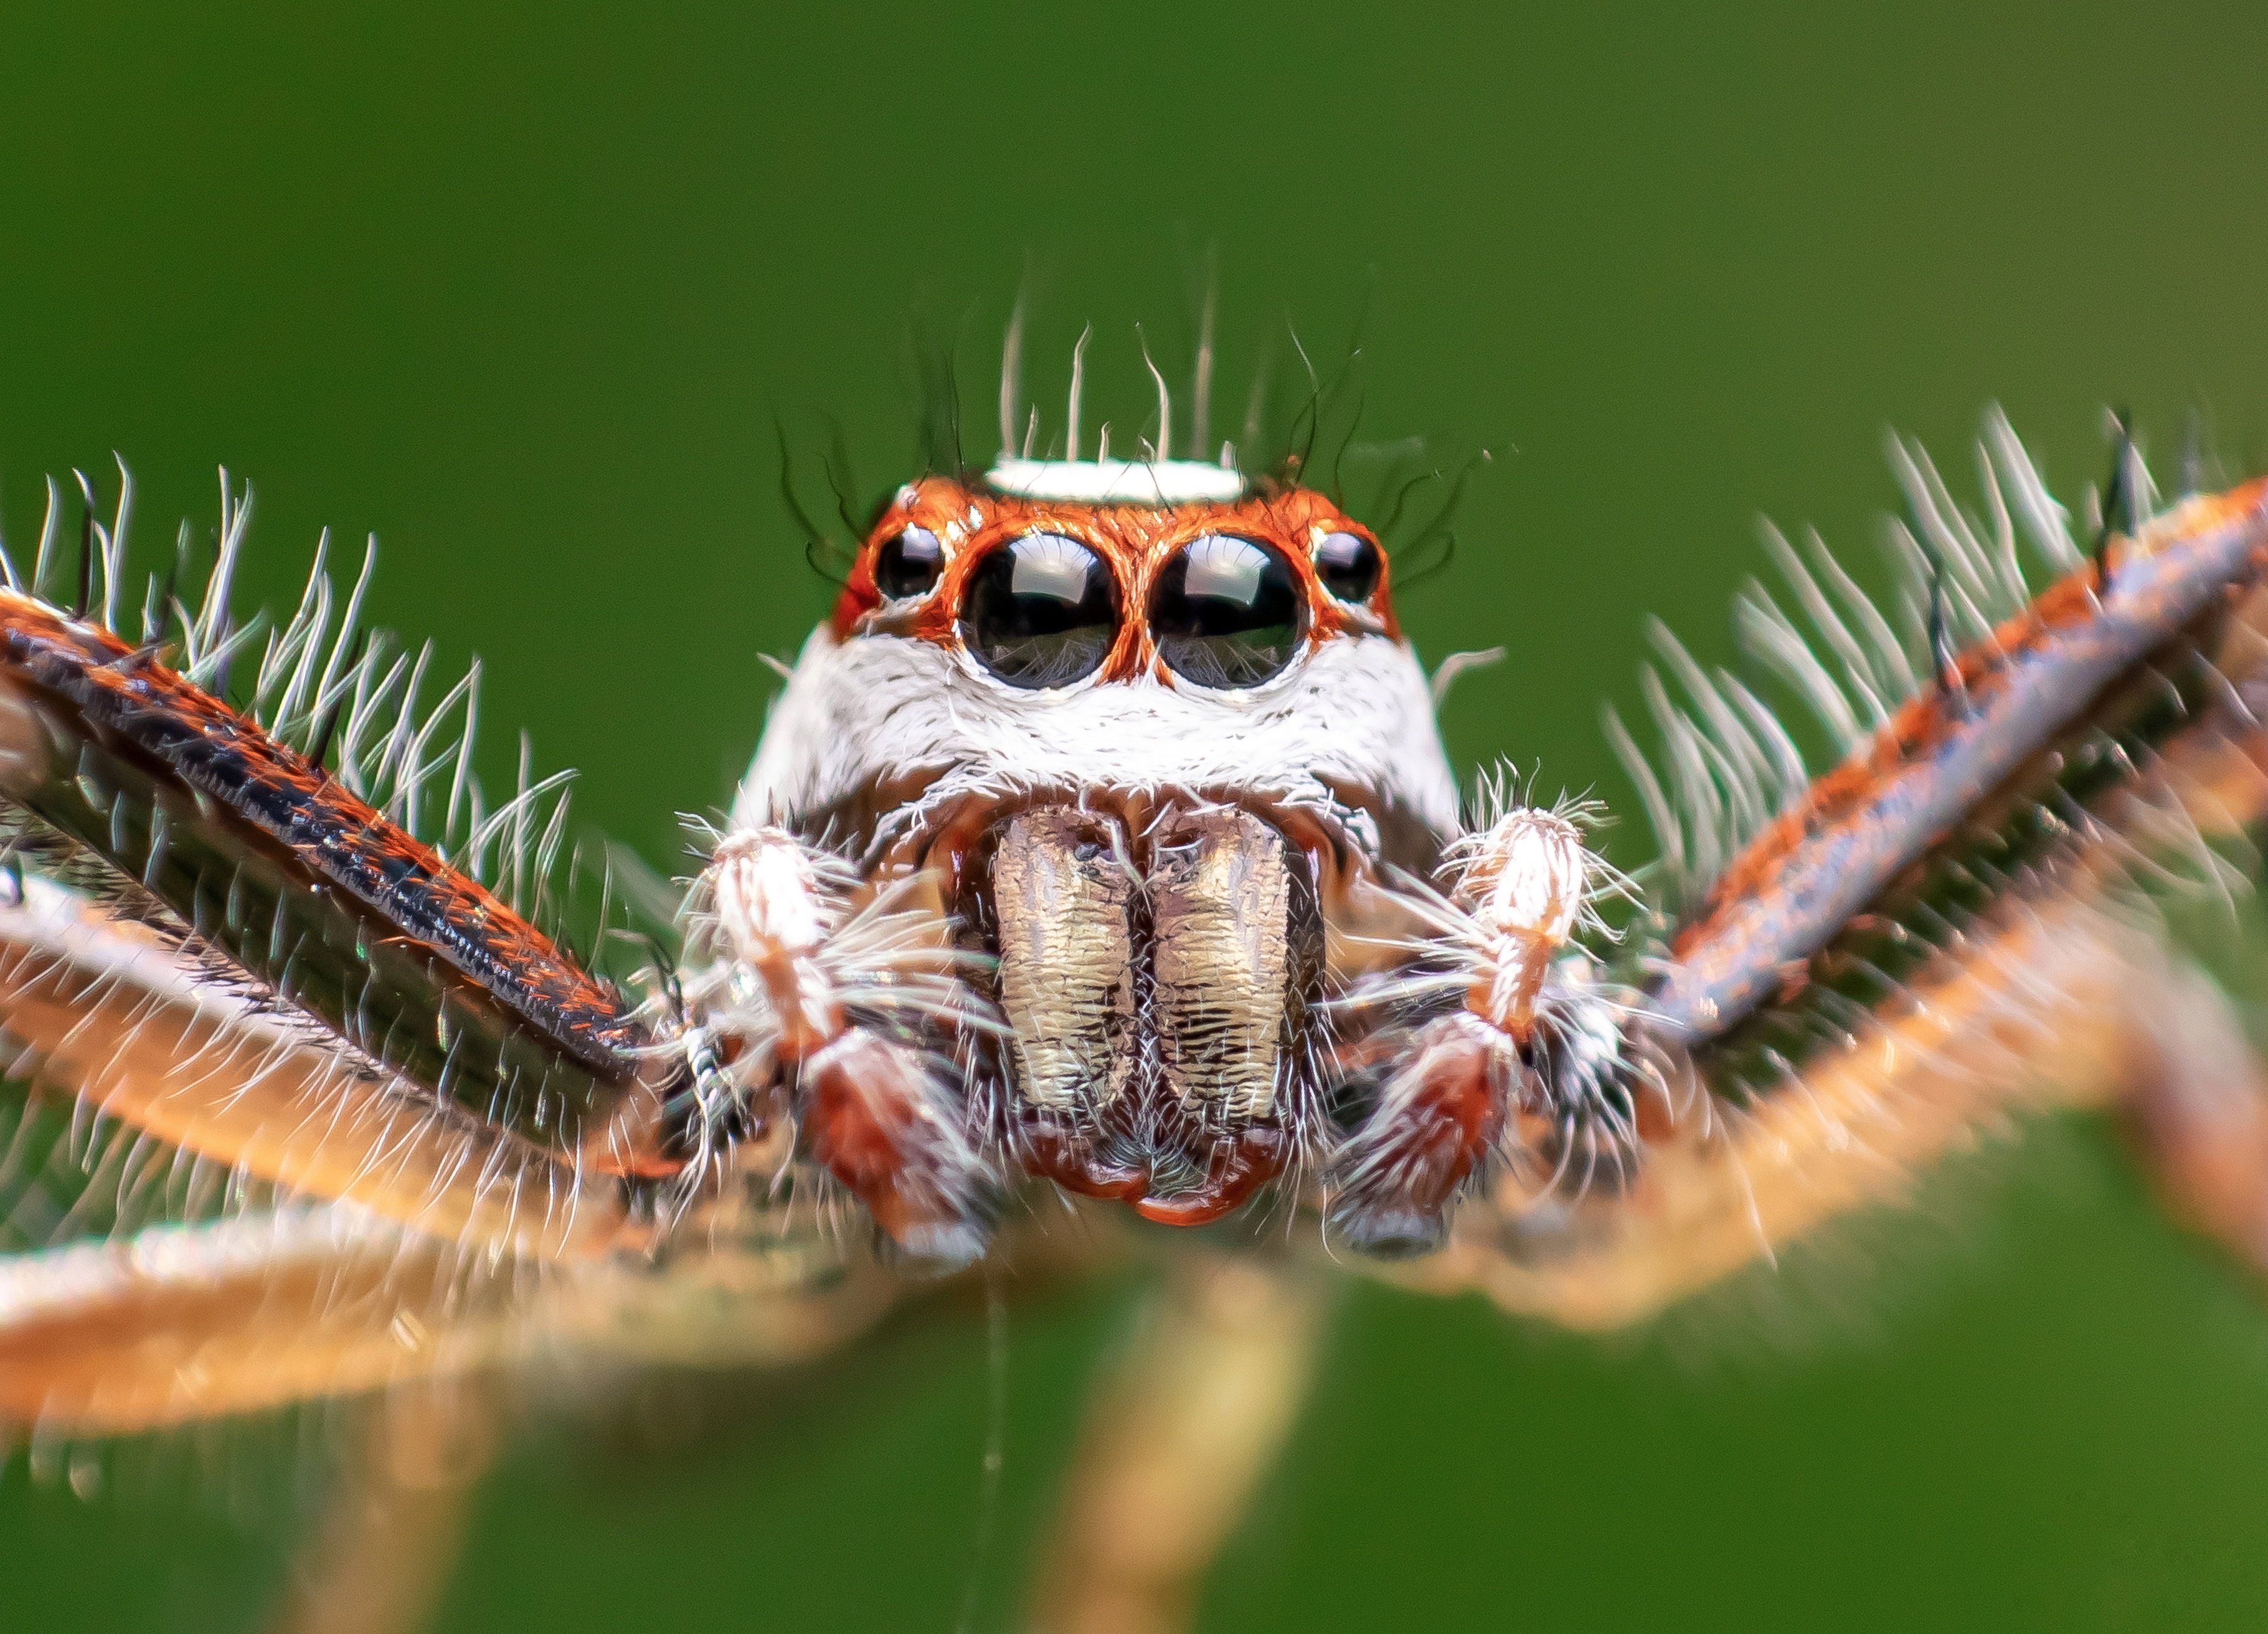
(884, 957)
(1501, 791)
(1457, 940)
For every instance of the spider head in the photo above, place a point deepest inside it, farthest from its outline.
(1070, 628)
(1141, 731)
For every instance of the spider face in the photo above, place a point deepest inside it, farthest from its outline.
(1044, 593)
(992, 648)
(1142, 739)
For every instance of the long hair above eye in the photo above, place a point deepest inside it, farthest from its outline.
(828, 556)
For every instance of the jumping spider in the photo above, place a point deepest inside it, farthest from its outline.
(1100, 851)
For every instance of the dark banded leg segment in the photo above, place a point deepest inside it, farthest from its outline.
(447, 1042)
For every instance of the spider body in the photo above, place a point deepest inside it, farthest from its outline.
(1100, 847)
(1152, 757)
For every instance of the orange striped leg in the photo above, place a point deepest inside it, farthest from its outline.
(2057, 1004)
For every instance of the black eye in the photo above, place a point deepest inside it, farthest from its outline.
(909, 564)
(1042, 611)
(1348, 566)
(1226, 612)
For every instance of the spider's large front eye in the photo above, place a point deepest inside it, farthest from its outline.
(1226, 612)
(1041, 611)
(909, 564)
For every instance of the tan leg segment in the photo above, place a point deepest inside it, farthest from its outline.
(187, 1322)
(180, 1324)
(1179, 1436)
(2196, 1103)
(391, 1533)
(109, 1011)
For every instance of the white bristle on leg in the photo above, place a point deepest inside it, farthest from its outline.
(1525, 881)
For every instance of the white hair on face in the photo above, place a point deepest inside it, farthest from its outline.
(1352, 715)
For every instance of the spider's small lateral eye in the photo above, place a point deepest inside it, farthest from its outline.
(910, 564)
(1226, 612)
(1041, 611)
(1348, 564)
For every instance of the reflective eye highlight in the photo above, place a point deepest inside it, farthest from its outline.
(910, 564)
(1226, 612)
(1348, 564)
(1041, 611)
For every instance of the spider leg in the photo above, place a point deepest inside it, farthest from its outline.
(2125, 661)
(461, 1247)
(394, 1524)
(188, 1322)
(1179, 1435)
(1447, 1082)
(257, 969)
(392, 1528)
(110, 1013)
(833, 999)
(1792, 1091)
(2065, 1006)
(185, 1323)
(2039, 1010)
(174, 809)
(2195, 1103)
(1946, 925)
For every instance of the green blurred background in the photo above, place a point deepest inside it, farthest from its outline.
(522, 291)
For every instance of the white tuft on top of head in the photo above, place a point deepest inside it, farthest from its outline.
(1160, 480)
(1117, 482)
